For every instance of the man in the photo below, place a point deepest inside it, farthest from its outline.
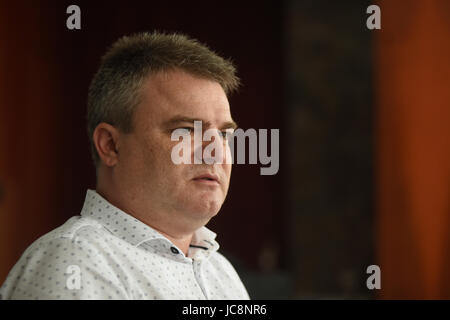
(142, 234)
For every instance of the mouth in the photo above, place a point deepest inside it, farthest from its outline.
(207, 179)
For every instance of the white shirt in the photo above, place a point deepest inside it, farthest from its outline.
(108, 254)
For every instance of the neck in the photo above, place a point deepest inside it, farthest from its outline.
(157, 221)
(182, 242)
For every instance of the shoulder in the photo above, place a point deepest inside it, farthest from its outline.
(42, 269)
(220, 258)
(228, 274)
(222, 263)
(81, 231)
(77, 237)
(75, 227)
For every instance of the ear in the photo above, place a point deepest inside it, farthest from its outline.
(106, 138)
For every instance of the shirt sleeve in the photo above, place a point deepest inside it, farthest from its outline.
(67, 268)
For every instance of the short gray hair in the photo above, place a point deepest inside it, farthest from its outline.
(115, 88)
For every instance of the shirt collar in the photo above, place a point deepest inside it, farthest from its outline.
(135, 232)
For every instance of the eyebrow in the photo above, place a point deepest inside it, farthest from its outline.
(183, 119)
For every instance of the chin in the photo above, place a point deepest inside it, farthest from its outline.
(207, 209)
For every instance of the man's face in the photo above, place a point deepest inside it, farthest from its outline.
(171, 101)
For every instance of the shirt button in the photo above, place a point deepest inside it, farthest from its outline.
(174, 250)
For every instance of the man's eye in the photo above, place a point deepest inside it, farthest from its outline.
(182, 131)
(227, 133)
(187, 129)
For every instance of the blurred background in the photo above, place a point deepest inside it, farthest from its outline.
(364, 135)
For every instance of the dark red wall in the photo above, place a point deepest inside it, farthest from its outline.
(45, 164)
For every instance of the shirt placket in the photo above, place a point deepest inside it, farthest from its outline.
(196, 266)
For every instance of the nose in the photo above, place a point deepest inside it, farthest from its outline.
(212, 149)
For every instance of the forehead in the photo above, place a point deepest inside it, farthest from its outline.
(175, 93)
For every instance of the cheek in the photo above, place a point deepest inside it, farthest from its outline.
(141, 156)
(155, 148)
(161, 153)
(130, 152)
(227, 171)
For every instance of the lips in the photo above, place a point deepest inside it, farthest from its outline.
(207, 177)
